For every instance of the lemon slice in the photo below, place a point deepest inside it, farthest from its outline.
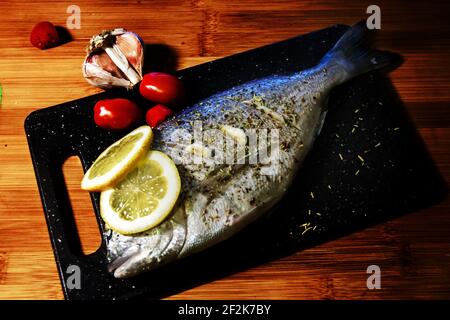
(117, 160)
(144, 198)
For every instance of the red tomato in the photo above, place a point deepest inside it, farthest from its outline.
(157, 114)
(116, 114)
(162, 88)
(44, 35)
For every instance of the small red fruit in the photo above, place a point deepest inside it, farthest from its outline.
(44, 35)
(157, 114)
(160, 87)
(116, 114)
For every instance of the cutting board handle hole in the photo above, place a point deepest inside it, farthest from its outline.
(83, 211)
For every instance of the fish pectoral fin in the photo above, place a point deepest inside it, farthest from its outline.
(321, 122)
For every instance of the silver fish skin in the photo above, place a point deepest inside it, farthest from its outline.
(219, 199)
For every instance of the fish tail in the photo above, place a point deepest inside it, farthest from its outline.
(354, 53)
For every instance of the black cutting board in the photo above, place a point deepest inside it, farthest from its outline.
(332, 196)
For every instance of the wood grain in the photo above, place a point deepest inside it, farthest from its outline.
(413, 251)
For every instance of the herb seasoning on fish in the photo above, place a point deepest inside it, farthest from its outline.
(218, 199)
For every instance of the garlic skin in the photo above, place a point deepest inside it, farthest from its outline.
(115, 59)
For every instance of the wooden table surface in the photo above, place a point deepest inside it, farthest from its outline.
(413, 251)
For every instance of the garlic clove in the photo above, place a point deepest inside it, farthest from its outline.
(133, 48)
(97, 76)
(115, 59)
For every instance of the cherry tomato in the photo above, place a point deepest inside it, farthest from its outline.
(44, 35)
(162, 88)
(157, 114)
(116, 114)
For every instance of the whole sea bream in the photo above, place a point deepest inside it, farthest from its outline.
(228, 181)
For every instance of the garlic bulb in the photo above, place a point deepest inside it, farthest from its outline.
(115, 59)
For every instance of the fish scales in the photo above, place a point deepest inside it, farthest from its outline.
(218, 198)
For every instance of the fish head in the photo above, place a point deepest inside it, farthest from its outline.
(131, 255)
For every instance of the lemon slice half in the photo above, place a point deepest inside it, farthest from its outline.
(144, 198)
(117, 160)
